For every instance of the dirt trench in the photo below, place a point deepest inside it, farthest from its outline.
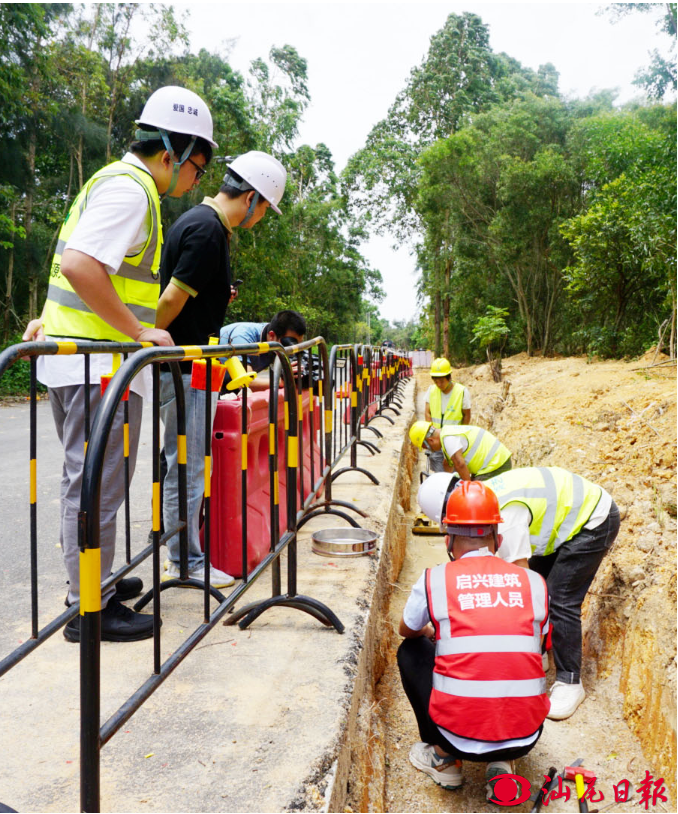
(616, 426)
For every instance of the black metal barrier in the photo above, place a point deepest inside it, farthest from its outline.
(30, 351)
(348, 383)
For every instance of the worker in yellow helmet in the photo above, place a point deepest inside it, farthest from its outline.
(448, 404)
(474, 453)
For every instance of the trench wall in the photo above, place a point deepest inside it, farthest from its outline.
(359, 771)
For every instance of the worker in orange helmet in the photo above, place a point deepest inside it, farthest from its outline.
(479, 692)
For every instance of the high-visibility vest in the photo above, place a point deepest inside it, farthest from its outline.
(453, 411)
(489, 617)
(559, 501)
(137, 281)
(484, 453)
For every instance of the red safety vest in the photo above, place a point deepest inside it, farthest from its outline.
(488, 680)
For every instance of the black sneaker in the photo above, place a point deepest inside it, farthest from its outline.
(126, 588)
(118, 624)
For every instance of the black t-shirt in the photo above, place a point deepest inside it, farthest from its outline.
(196, 254)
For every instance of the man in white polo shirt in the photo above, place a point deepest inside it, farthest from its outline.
(104, 286)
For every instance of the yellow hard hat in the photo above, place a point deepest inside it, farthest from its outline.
(441, 367)
(418, 432)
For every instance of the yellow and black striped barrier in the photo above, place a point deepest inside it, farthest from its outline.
(344, 382)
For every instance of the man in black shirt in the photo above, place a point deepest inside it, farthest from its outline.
(196, 286)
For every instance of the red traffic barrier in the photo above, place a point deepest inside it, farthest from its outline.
(227, 464)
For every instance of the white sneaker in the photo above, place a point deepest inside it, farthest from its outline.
(218, 579)
(565, 698)
(492, 771)
(446, 771)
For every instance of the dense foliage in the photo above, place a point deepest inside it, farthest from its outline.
(73, 79)
(560, 212)
(557, 213)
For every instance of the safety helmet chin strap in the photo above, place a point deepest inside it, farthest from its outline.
(154, 135)
(250, 211)
(244, 186)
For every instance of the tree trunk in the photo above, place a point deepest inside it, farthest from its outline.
(28, 227)
(80, 149)
(9, 305)
(446, 308)
(526, 313)
(438, 343)
(78, 160)
(122, 48)
(495, 365)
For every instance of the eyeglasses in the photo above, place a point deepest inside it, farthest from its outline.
(199, 171)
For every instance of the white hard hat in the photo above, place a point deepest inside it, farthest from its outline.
(264, 173)
(178, 110)
(433, 494)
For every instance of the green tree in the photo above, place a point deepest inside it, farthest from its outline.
(492, 197)
(623, 277)
(490, 332)
(28, 68)
(458, 79)
(279, 96)
(75, 81)
(660, 75)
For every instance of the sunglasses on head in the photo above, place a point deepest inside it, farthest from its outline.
(425, 442)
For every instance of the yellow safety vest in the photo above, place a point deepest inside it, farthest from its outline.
(484, 453)
(136, 282)
(559, 501)
(453, 411)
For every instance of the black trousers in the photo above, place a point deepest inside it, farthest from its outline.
(416, 658)
(569, 573)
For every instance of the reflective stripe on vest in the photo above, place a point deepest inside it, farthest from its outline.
(559, 501)
(136, 281)
(484, 644)
(453, 411)
(484, 453)
(467, 699)
(490, 689)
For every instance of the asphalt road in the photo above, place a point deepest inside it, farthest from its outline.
(15, 602)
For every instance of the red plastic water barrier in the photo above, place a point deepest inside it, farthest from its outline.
(226, 505)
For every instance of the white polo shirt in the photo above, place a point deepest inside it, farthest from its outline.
(115, 224)
(445, 397)
(515, 529)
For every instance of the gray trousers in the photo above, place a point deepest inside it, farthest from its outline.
(436, 461)
(194, 401)
(68, 409)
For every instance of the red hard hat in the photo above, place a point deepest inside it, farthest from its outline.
(472, 504)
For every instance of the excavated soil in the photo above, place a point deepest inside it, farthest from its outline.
(614, 423)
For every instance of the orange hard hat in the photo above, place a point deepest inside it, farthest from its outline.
(472, 503)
